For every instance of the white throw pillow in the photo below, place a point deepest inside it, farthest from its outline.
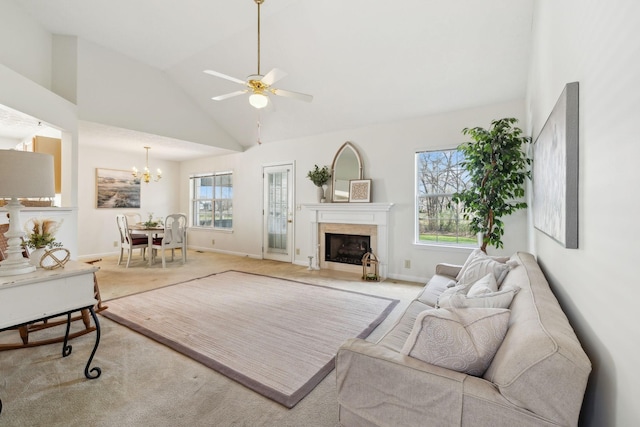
(451, 291)
(464, 340)
(478, 264)
(485, 285)
(500, 299)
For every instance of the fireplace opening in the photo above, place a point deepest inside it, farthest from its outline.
(346, 248)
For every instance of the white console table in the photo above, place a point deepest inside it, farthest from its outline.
(44, 294)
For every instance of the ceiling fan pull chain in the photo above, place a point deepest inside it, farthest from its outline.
(259, 133)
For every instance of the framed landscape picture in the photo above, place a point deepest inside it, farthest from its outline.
(555, 171)
(117, 189)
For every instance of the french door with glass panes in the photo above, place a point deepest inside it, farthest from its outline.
(278, 213)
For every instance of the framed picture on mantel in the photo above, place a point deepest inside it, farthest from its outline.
(360, 190)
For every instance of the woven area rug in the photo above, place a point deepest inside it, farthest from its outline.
(278, 337)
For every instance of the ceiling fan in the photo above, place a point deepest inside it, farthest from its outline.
(257, 84)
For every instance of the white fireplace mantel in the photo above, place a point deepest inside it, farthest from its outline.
(352, 213)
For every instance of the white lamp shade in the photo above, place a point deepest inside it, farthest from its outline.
(258, 100)
(26, 174)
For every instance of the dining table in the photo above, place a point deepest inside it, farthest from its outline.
(140, 228)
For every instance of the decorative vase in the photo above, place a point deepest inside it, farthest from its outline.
(320, 191)
(324, 193)
(36, 255)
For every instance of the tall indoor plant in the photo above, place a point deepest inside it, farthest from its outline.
(497, 165)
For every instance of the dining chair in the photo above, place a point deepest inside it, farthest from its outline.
(128, 242)
(175, 237)
(135, 218)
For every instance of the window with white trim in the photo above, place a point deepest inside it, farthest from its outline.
(212, 200)
(439, 220)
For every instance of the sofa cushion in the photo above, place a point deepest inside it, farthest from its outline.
(397, 335)
(464, 340)
(478, 264)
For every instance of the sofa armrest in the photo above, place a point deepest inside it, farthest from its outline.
(450, 270)
(387, 388)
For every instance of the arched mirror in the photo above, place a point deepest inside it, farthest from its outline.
(347, 165)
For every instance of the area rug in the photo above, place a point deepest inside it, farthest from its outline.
(277, 337)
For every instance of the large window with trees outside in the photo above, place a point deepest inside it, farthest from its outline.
(439, 175)
(212, 200)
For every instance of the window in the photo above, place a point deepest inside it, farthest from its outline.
(438, 220)
(212, 200)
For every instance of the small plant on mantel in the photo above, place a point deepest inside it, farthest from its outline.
(319, 176)
(497, 167)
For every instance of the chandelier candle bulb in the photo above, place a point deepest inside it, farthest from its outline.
(146, 175)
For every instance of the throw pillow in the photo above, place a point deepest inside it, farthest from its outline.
(451, 291)
(500, 299)
(464, 340)
(478, 264)
(486, 285)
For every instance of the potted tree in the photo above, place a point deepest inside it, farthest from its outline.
(320, 177)
(497, 166)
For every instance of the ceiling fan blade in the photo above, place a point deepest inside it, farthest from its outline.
(229, 95)
(295, 95)
(273, 76)
(224, 76)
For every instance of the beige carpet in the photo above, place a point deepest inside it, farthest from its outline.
(278, 337)
(145, 383)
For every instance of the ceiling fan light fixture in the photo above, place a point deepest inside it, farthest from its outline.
(257, 85)
(258, 100)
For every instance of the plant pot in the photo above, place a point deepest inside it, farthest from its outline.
(320, 191)
(36, 255)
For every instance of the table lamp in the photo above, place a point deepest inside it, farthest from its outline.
(22, 174)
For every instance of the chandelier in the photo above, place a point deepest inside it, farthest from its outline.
(146, 175)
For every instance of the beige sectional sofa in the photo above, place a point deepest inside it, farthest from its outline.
(536, 378)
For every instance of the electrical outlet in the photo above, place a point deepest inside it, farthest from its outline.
(297, 251)
(213, 241)
(407, 263)
(115, 243)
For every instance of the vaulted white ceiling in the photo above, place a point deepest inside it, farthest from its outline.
(364, 62)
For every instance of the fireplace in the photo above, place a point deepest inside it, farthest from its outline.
(346, 248)
(343, 245)
(353, 219)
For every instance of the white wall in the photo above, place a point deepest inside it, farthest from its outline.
(97, 227)
(388, 155)
(119, 91)
(25, 46)
(8, 143)
(598, 45)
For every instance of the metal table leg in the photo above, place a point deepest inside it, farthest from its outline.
(97, 371)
